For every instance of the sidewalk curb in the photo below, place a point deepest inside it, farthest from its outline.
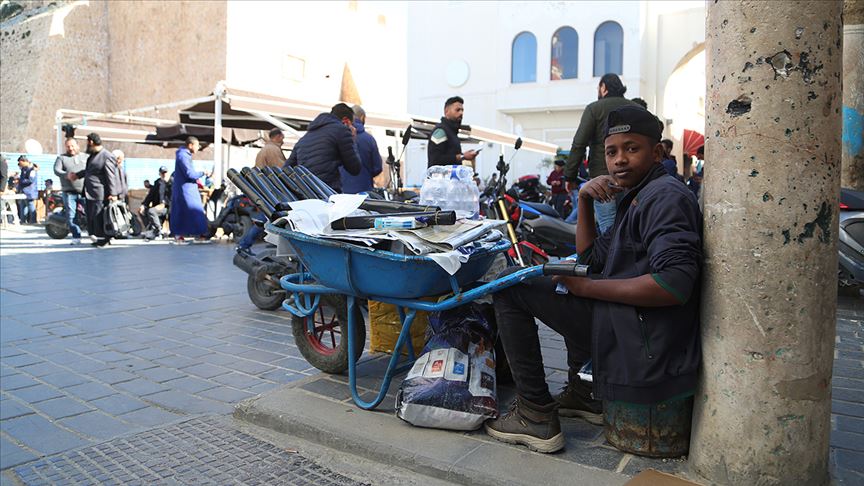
(450, 456)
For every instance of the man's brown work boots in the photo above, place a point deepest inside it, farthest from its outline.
(575, 401)
(535, 426)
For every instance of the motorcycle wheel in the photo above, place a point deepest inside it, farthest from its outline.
(260, 289)
(326, 346)
(56, 232)
(244, 225)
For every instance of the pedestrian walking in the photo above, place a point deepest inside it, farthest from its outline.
(71, 162)
(187, 212)
(370, 158)
(589, 135)
(123, 193)
(101, 186)
(27, 185)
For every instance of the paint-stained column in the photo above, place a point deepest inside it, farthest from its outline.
(853, 95)
(762, 414)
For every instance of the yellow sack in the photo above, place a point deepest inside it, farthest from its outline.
(385, 326)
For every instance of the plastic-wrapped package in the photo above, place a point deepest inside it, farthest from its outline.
(452, 384)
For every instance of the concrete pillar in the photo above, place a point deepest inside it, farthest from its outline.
(762, 413)
(853, 95)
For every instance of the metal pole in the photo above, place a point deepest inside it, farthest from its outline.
(218, 170)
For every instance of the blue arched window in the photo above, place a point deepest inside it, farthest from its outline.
(565, 54)
(523, 60)
(608, 49)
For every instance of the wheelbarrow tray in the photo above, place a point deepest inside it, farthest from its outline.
(364, 272)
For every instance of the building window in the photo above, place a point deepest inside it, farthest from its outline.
(565, 54)
(523, 67)
(608, 49)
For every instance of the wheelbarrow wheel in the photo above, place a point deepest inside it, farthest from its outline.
(326, 348)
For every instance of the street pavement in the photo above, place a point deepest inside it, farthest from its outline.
(101, 350)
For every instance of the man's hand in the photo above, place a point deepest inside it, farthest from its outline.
(577, 286)
(602, 189)
(140, 209)
(72, 176)
(353, 131)
(572, 186)
(112, 198)
(469, 155)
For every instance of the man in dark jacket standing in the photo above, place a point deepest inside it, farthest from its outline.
(329, 145)
(370, 158)
(72, 162)
(155, 205)
(28, 186)
(101, 185)
(636, 317)
(610, 96)
(444, 146)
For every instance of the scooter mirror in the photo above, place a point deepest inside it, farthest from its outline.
(518, 143)
(406, 136)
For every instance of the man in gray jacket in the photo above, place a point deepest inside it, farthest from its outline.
(71, 162)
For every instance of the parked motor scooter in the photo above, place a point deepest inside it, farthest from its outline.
(851, 239)
(236, 217)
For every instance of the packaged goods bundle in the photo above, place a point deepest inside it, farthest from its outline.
(452, 384)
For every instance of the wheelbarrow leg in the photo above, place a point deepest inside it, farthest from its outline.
(391, 367)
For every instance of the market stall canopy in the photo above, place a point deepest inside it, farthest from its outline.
(248, 110)
(692, 141)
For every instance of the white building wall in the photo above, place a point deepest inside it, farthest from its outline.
(481, 34)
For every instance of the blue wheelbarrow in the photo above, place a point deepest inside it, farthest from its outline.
(341, 269)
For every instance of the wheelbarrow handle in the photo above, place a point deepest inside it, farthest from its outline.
(566, 269)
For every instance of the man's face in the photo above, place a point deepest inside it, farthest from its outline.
(559, 168)
(630, 156)
(71, 147)
(278, 139)
(23, 163)
(90, 147)
(194, 146)
(164, 176)
(454, 112)
(347, 122)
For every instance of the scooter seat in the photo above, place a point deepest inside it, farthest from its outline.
(541, 208)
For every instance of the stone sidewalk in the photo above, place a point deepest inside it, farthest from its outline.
(99, 343)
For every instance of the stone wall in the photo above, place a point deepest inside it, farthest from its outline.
(105, 56)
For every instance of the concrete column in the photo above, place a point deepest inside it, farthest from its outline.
(853, 95)
(762, 413)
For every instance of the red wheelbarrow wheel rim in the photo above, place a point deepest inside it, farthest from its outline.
(324, 332)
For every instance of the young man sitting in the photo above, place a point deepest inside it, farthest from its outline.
(636, 316)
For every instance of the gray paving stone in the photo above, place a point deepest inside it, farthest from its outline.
(10, 408)
(21, 359)
(149, 417)
(12, 455)
(97, 425)
(14, 382)
(850, 424)
(118, 404)
(36, 393)
(851, 460)
(62, 407)
(141, 387)
(238, 380)
(183, 402)
(113, 376)
(205, 370)
(842, 439)
(281, 376)
(847, 408)
(132, 364)
(250, 367)
(175, 361)
(225, 394)
(151, 353)
(190, 384)
(41, 369)
(160, 375)
(41, 435)
(848, 395)
(191, 351)
(91, 390)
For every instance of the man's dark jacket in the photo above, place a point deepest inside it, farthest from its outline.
(590, 135)
(100, 176)
(370, 165)
(444, 143)
(159, 193)
(649, 354)
(327, 145)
